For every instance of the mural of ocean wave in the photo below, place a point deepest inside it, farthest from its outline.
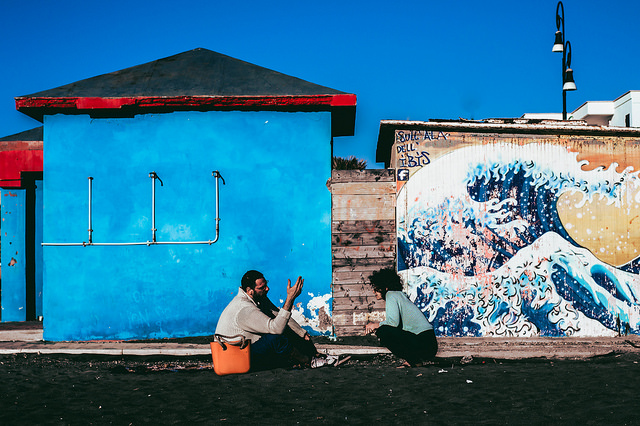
(473, 209)
(550, 288)
(509, 239)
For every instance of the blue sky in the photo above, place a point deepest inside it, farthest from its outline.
(405, 60)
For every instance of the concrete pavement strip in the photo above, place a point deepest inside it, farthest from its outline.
(125, 349)
(27, 338)
(449, 347)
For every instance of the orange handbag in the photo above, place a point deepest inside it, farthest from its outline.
(231, 354)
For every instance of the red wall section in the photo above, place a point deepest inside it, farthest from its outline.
(13, 162)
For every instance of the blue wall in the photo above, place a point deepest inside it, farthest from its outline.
(14, 254)
(14, 307)
(38, 247)
(275, 211)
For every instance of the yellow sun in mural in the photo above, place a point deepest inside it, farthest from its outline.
(611, 231)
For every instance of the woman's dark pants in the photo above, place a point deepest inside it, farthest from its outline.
(414, 348)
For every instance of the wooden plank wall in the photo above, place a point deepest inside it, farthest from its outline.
(363, 240)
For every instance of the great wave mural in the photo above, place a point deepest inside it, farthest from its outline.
(519, 236)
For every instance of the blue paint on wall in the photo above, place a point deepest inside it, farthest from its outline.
(275, 211)
(13, 255)
(38, 247)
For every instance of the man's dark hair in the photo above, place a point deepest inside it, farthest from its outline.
(384, 280)
(249, 279)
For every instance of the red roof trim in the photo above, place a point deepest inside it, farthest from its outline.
(20, 146)
(24, 103)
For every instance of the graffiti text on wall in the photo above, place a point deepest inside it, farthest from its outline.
(418, 135)
(409, 147)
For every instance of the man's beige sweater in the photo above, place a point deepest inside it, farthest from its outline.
(243, 316)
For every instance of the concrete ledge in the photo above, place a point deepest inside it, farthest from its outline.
(21, 335)
(537, 347)
(449, 347)
(104, 348)
(513, 347)
(351, 350)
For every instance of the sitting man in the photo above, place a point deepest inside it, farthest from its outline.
(277, 340)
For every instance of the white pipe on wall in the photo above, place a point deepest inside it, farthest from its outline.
(90, 202)
(154, 176)
(216, 174)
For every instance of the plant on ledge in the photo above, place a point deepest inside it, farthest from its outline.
(351, 163)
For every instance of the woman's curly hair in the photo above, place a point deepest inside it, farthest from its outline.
(384, 280)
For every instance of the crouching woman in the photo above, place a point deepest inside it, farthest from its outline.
(405, 331)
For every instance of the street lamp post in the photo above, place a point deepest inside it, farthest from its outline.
(560, 45)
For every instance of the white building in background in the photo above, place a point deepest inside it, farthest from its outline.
(621, 112)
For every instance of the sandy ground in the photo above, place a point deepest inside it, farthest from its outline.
(99, 389)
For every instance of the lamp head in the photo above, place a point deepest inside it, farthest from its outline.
(558, 45)
(569, 84)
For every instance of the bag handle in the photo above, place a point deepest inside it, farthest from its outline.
(237, 340)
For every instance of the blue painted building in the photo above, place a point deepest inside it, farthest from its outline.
(21, 226)
(132, 160)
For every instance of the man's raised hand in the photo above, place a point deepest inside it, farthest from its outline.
(293, 291)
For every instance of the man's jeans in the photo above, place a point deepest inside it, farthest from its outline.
(275, 350)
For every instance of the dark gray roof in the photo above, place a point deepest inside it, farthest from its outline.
(28, 135)
(197, 80)
(198, 72)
